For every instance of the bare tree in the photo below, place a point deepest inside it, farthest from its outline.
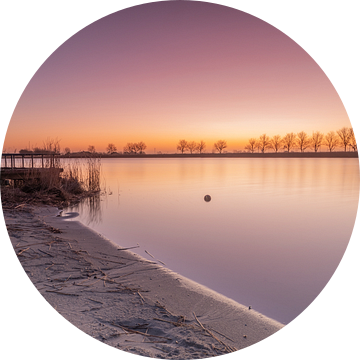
(91, 149)
(182, 146)
(276, 142)
(111, 148)
(352, 142)
(331, 140)
(140, 147)
(251, 146)
(303, 141)
(316, 140)
(50, 145)
(191, 146)
(130, 148)
(264, 142)
(220, 146)
(289, 141)
(257, 146)
(201, 146)
(344, 135)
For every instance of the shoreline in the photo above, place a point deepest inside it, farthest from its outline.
(304, 155)
(128, 294)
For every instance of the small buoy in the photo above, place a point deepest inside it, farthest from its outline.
(207, 198)
(250, 307)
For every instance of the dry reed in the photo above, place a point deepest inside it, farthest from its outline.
(52, 185)
(79, 177)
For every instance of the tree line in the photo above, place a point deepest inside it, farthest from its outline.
(129, 148)
(50, 146)
(343, 137)
(53, 147)
(139, 148)
(199, 147)
(301, 141)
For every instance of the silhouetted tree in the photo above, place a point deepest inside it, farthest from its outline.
(130, 148)
(352, 141)
(50, 146)
(316, 140)
(251, 146)
(111, 148)
(182, 146)
(257, 146)
(191, 146)
(140, 147)
(220, 146)
(264, 142)
(289, 141)
(344, 136)
(67, 151)
(276, 142)
(200, 147)
(303, 141)
(91, 149)
(331, 140)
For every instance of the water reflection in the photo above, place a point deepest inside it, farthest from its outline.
(68, 215)
(90, 210)
(271, 236)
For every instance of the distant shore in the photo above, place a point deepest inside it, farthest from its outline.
(337, 154)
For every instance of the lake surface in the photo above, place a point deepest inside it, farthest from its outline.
(271, 237)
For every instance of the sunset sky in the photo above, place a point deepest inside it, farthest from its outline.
(166, 71)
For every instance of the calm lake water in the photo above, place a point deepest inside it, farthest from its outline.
(271, 237)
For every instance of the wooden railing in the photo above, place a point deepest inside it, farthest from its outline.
(10, 160)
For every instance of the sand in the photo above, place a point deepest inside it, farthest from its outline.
(124, 300)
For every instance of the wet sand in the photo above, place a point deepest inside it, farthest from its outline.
(124, 300)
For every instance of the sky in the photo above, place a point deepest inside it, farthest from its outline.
(166, 71)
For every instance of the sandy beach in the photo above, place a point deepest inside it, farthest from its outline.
(124, 300)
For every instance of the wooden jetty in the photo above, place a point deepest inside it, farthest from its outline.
(29, 166)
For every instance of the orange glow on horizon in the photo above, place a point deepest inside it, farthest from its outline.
(165, 145)
(219, 74)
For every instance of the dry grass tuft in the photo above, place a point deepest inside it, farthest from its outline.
(78, 180)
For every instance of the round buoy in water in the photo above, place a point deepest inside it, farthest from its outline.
(207, 198)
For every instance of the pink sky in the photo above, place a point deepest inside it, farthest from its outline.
(166, 71)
